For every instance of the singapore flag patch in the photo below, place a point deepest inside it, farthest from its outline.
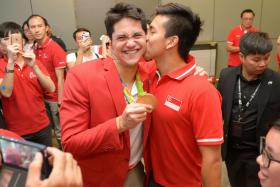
(173, 103)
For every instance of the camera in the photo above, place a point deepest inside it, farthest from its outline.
(16, 157)
(85, 36)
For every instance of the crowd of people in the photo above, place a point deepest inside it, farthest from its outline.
(138, 111)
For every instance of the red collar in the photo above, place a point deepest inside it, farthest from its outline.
(44, 45)
(185, 71)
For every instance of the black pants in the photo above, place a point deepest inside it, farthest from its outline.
(242, 168)
(43, 136)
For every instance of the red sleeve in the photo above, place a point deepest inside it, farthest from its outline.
(206, 115)
(59, 58)
(10, 134)
(79, 135)
(2, 67)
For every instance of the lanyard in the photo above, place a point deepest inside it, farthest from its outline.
(140, 91)
(240, 104)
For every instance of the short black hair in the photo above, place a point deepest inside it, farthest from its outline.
(183, 22)
(9, 27)
(124, 10)
(247, 11)
(255, 43)
(80, 30)
(37, 15)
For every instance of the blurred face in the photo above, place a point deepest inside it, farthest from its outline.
(156, 41)
(27, 33)
(9, 40)
(269, 177)
(128, 41)
(254, 65)
(247, 20)
(38, 28)
(80, 38)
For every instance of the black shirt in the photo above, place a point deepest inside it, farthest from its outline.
(247, 118)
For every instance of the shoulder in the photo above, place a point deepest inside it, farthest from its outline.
(71, 57)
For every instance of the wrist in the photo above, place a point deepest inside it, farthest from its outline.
(120, 125)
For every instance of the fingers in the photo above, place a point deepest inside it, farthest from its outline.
(34, 170)
(58, 160)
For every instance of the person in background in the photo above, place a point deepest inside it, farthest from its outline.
(85, 53)
(250, 95)
(185, 135)
(269, 159)
(23, 80)
(247, 20)
(28, 37)
(54, 59)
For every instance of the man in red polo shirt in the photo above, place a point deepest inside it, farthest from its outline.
(22, 82)
(247, 19)
(54, 59)
(186, 131)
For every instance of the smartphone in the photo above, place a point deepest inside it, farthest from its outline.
(16, 38)
(16, 157)
(85, 36)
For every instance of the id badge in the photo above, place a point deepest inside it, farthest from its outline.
(236, 130)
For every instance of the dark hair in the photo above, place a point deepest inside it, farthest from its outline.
(255, 43)
(80, 30)
(22, 26)
(36, 15)
(247, 11)
(10, 27)
(183, 23)
(123, 10)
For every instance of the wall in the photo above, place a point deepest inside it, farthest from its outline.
(219, 17)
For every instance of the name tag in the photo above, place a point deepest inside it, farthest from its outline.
(173, 103)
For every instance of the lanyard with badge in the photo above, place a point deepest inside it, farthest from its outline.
(237, 125)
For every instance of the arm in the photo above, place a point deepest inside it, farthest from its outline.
(211, 165)
(231, 48)
(45, 81)
(60, 82)
(7, 83)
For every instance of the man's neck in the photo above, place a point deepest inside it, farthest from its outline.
(127, 74)
(168, 63)
(248, 76)
(42, 41)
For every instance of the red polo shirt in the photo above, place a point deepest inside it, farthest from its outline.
(24, 111)
(234, 38)
(188, 115)
(10, 134)
(52, 56)
(278, 60)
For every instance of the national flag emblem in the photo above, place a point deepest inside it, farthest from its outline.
(173, 103)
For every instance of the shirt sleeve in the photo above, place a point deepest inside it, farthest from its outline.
(231, 37)
(79, 135)
(206, 116)
(71, 57)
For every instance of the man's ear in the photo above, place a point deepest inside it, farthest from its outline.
(172, 41)
(241, 57)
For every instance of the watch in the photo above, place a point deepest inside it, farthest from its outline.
(9, 70)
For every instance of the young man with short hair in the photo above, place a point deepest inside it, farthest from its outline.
(54, 59)
(250, 95)
(101, 125)
(186, 129)
(247, 19)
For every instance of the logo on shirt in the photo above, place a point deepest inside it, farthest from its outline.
(32, 75)
(173, 103)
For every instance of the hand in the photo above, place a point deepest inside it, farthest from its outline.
(200, 71)
(84, 46)
(13, 51)
(132, 115)
(29, 58)
(65, 172)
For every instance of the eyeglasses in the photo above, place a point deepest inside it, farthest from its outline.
(266, 157)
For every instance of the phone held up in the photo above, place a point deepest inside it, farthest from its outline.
(16, 157)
